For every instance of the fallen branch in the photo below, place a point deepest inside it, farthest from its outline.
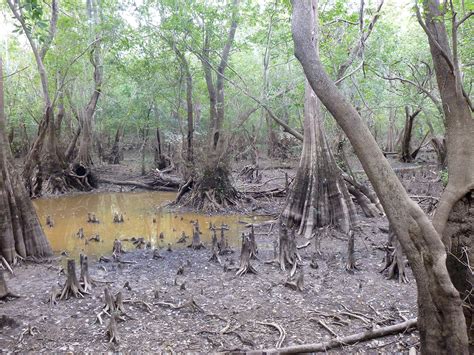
(342, 341)
(137, 184)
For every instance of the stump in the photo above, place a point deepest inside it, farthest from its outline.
(4, 291)
(118, 218)
(183, 238)
(196, 243)
(394, 260)
(91, 218)
(95, 238)
(80, 233)
(49, 222)
(86, 281)
(223, 244)
(288, 255)
(156, 254)
(245, 265)
(72, 286)
(117, 249)
(253, 243)
(215, 249)
(112, 329)
(138, 242)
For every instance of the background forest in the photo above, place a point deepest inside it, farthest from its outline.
(331, 141)
(143, 85)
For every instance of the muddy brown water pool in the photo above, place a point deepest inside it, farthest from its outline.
(143, 217)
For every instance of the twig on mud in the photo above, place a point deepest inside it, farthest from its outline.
(30, 331)
(280, 329)
(327, 327)
(190, 303)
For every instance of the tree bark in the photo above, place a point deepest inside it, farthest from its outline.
(20, 230)
(441, 321)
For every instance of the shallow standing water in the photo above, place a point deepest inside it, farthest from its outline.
(143, 217)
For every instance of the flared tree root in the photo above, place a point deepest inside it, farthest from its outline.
(213, 191)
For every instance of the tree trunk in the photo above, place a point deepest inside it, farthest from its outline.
(212, 189)
(406, 155)
(319, 196)
(439, 145)
(20, 230)
(441, 320)
(84, 156)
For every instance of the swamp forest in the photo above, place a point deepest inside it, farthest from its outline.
(236, 176)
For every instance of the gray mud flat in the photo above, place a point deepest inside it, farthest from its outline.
(232, 306)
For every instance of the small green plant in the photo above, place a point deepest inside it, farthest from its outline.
(444, 176)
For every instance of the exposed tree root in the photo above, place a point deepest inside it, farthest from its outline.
(245, 266)
(30, 330)
(372, 333)
(280, 329)
(72, 286)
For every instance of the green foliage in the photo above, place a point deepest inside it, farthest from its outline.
(444, 176)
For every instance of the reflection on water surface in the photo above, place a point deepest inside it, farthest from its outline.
(142, 218)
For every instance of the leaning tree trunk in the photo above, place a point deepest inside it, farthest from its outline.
(20, 230)
(441, 321)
